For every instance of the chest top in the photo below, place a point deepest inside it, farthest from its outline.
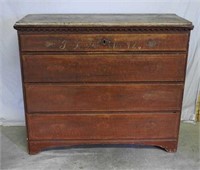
(115, 21)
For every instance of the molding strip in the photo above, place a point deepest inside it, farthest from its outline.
(101, 29)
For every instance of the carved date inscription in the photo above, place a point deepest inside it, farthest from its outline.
(63, 44)
(69, 44)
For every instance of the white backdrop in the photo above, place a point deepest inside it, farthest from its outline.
(11, 103)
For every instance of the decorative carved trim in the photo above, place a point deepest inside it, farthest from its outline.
(100, 29)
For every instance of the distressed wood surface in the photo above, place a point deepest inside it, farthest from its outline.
(35, 146)
(50, 20)
(103, 97)
(103, 126)
(104, 67)
(104, 42)
(84, 81)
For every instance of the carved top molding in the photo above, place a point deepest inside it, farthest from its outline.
(100, 29)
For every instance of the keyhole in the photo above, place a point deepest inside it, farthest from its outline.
(105, 42)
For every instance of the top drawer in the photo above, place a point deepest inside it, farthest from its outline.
(104, 42)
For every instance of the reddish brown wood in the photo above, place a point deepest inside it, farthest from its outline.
(102, 67)
(103, 84)
(170, 145)
(103, 126)
(104, 42)
(103, 97)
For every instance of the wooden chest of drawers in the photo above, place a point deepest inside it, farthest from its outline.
(103, 79)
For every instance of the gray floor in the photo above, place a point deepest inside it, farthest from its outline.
(14, 155)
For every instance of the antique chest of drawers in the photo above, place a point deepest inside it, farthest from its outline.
(103, 79)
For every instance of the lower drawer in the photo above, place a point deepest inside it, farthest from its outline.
(103, 126)
(103, 97)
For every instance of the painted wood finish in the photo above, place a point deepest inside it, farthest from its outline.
(103, 97)
(46, 21)
(35, 146)
(104, 42)
(104, 67)
(103, 79)
(103, 126)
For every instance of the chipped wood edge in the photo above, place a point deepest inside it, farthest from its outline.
(35, 146)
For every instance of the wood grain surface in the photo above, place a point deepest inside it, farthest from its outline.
(104, 67)
(35, 146)
(103, 97)
(103, 126)
(104, 42)
(103, 79)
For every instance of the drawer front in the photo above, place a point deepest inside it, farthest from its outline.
(102, 126)
(104, 67)
(103, 97)
(104, 42)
